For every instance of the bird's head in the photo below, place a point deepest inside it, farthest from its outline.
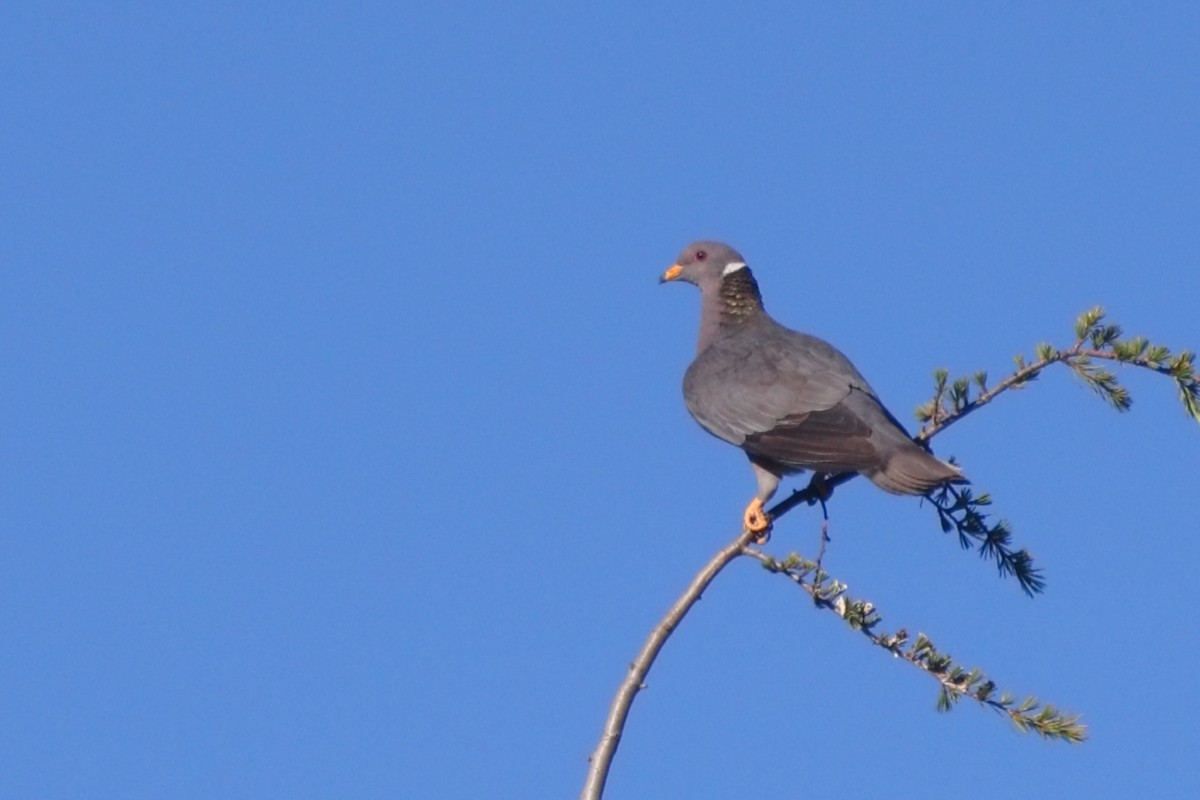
(704, 264)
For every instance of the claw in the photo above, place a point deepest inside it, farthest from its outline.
(757, 521)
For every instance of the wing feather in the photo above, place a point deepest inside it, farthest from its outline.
(784, 396)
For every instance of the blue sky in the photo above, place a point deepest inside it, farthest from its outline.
(343, 447)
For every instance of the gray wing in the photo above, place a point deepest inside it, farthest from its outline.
(787, 397)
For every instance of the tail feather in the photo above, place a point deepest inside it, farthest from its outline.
(914, 471)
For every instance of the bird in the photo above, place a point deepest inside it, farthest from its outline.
(789, 400)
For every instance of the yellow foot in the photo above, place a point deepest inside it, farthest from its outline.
(756, 521)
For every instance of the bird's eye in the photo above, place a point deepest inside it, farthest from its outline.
(701, 255)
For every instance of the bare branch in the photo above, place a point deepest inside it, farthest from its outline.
(601, 759)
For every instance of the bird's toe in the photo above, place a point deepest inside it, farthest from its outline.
(756, 521)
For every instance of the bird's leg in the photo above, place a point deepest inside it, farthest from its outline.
(754, 517)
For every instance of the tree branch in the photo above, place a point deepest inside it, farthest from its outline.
(1093, 340)
(957, 509)
(955, 682)
(634, 681)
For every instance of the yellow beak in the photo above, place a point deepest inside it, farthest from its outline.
(671, 274)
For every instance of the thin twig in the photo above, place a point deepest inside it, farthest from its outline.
(601, 759)
(810, 494)
(1145, 363)
(824, 537)
(1018, 378)
(1026, 373)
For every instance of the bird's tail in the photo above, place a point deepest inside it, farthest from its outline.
(914, 471)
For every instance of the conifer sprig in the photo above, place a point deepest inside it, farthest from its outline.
(1094, 340)
(955, 682)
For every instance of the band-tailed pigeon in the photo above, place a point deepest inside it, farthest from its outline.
(790, 400)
